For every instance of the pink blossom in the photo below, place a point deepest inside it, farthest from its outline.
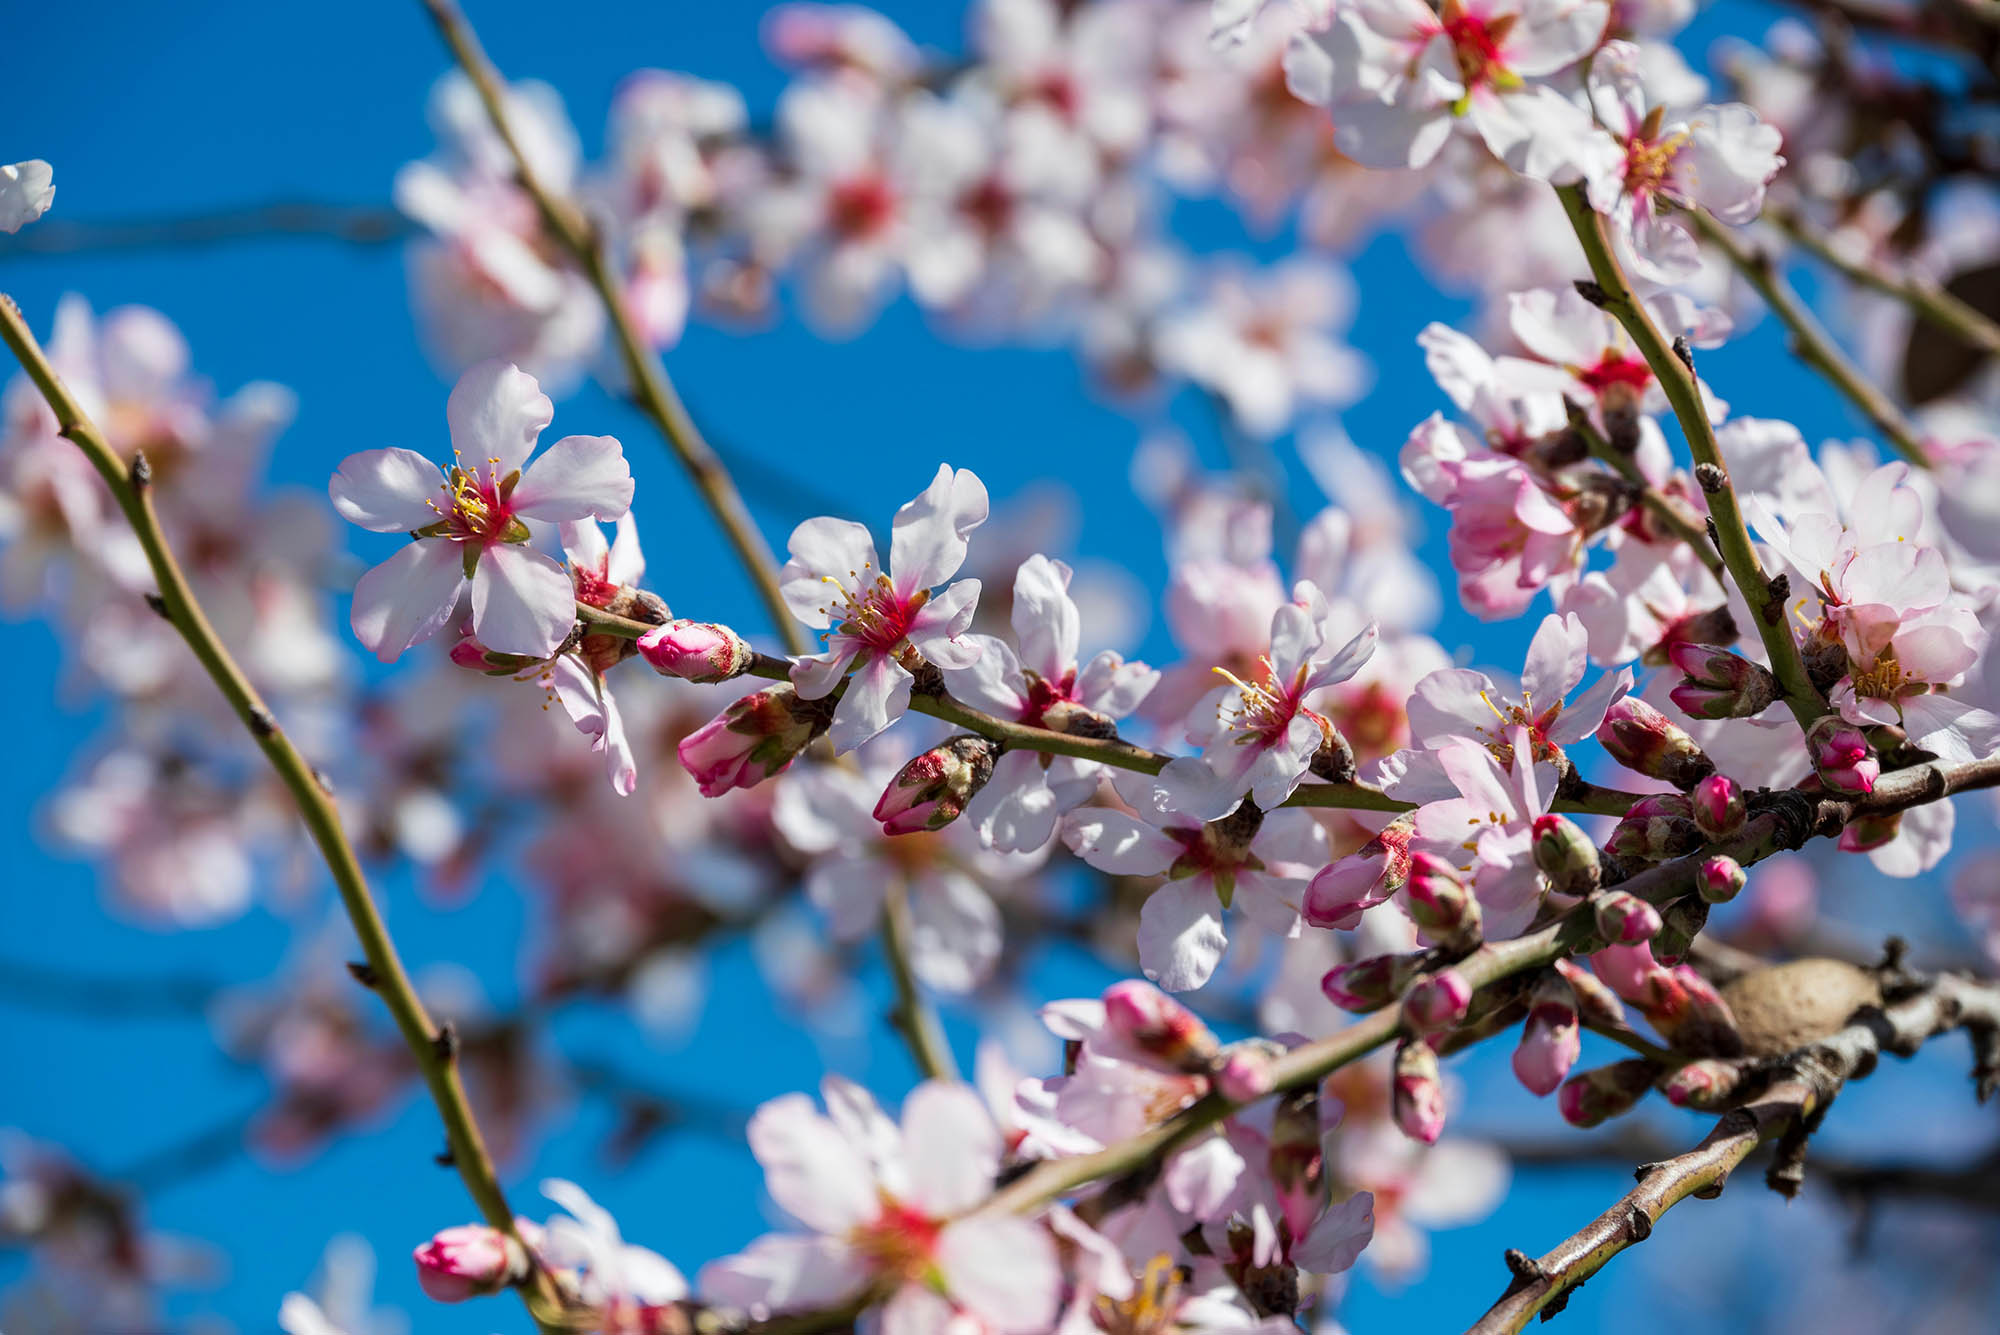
(1492, 821)
(1509, 536)
(466, 1262)
(628, 1286)
(1550, 1041)
(1462, 703)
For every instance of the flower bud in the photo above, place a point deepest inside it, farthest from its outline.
(1440, 903)
(1603, 1092)
(1437, 1001)
(1720, 879)
(1690, 1014)
(1719, 684)
(1624, 919)
(468, 1261)
(696, 651)
(1870, 830)
(754, 738)
(1244, 1072)
(931, 791)
(1157, 1029)
(1703, 1085)
(1644, 740)
(1718, 806)
(1067, 716)
(1416, 1093)
(1298, 1158)
(1346, 889)
(1550, 1041)
(470, 654)
(1372, 983)
(1656, 828)
(1680, 922)
(1842, 756)
(1565, 855)
(1595, 1002)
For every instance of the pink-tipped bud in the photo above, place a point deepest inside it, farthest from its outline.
(1720, 879)
(1718, 806)
(1690, 1013)
(1298, 1158)
(1842, 757)
(1624, 919)
(1346, 889)
(1719, 684)
(696, 651)
(1565, 855)
(1372, 983)
(1436, 1002)
(1680, 923)
(1590, 1097)
(753, 739)
(1703, 1085)
(1870, 830)
(1655, 828)
(473, 656)
(1551, 1039)
(931, 791)
(1595, 1002)
(468, 1261)
(1644, 740)
(1244, 1073)
(1156, 1029)
(1440, 903)
(1416, 1093)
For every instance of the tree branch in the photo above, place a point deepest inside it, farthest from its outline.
(1929, 300)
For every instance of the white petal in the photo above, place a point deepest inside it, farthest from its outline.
(783, 1272)
(877, 695)
(522, 602)
(1114, 842)
(1180, 934)
(927, 542)
(954, 932)
(387, 491)
(951, 1146)
(409, 597)
(496, 413)
(823, 550)
(578, 477)
(26, 191)
(1004, 1270)
(812, 1171)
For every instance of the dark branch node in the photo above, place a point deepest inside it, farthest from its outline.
(445, 1044)
(445, 1158)
(1593, 292)
(140, 470)
(159, 606)
(262, 724)
(363, 973)
(1683, 351)
(1524, 1267)
(1639, 1224)
(1711, 478)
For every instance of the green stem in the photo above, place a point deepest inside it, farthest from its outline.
(915, 1019)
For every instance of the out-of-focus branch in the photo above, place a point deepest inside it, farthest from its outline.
(1928, 299)
(1810, 341)
(1674, 370)
(651, 389)
(434, 1050)
(351, 224)
(917, 1022)
(1799, 1089)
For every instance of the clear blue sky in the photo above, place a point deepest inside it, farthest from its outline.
(157, 109)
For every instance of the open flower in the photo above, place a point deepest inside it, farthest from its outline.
(881, 624)
(1462, 702)
(469, 524)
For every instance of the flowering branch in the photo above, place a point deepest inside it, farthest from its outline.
(1801, 1086)
(1613, 291)
(435, 1050)
(1673, 516)
(652, 390)
(1810, 341)
(1929, 300)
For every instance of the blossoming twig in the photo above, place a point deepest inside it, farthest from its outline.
(651, 388)
(1676, 378)
(434, 1050)
(1672, 515)
(1806, 1082)
(1928, 299)
(1814, 346)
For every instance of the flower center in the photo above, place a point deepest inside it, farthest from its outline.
(861, 206)
(871, 612)
(1648, 160)
(1884, 679)
(1153, 1307)
(1475, 44)
(1615, 368)
(1044, 694)
(1264, 709)
(899, 1241)
(475, 507)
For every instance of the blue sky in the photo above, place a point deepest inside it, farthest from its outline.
(151, 109)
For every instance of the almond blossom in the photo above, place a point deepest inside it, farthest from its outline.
(879, 625)
(890, 1210)
(26, 191)
(1486, 831)
(469, 527)
(627, 1288)
(1463, 703)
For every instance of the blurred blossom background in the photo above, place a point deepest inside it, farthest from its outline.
(198, 1052)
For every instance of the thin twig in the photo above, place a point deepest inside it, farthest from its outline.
(1676, 518)
(352, 224)
(913, 1018)
(1928, 299)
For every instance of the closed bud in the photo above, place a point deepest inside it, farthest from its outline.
(1372, 983)
(1624, 919)
(470, 654)
(1437, 1001)
(1842, 757)
(1680, 922)
(1703, 1085)
(1690, 1014)
(1656, 828)
(1346, 889)
(1604, 1092)
(1416, 1093)
(1720, 879)
(1719, 684)
(1565, 855)
(1595, 1002)
(1244, 1071)
(1718, 806)
(1298, 1158)
(1647, 742)
(1156, 1029)
(931, 791)
(1550, 1040)
(1440, 903)
(696, 651)
(756, 737)
(1067, 716)
(1870, 830)
(468, 1261)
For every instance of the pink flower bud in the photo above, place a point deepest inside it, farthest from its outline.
(1156, 1028)
(1551, 1040)
(1416, 1093)
(1719, 684)
(1703, 1085)
(1626, 970)
(696, 651)
(468, 1261)
(1689, 1012)
(1346, 889)
(1718, 806)
(1244, 1072)
(1624, 919)
(1566, 855)
(1644, 740)
(1870, 830)
(1298, 1158)
(1440, 903)
(1720, 879)
(1372, 983)
(1603, 1092)
(931, 791)
(1842, 756)
(1594, 1001)
(473, 656)
(1656, 828)
(1436, 1002)
(753, 739)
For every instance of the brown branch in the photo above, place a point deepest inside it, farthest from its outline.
(349, 224)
